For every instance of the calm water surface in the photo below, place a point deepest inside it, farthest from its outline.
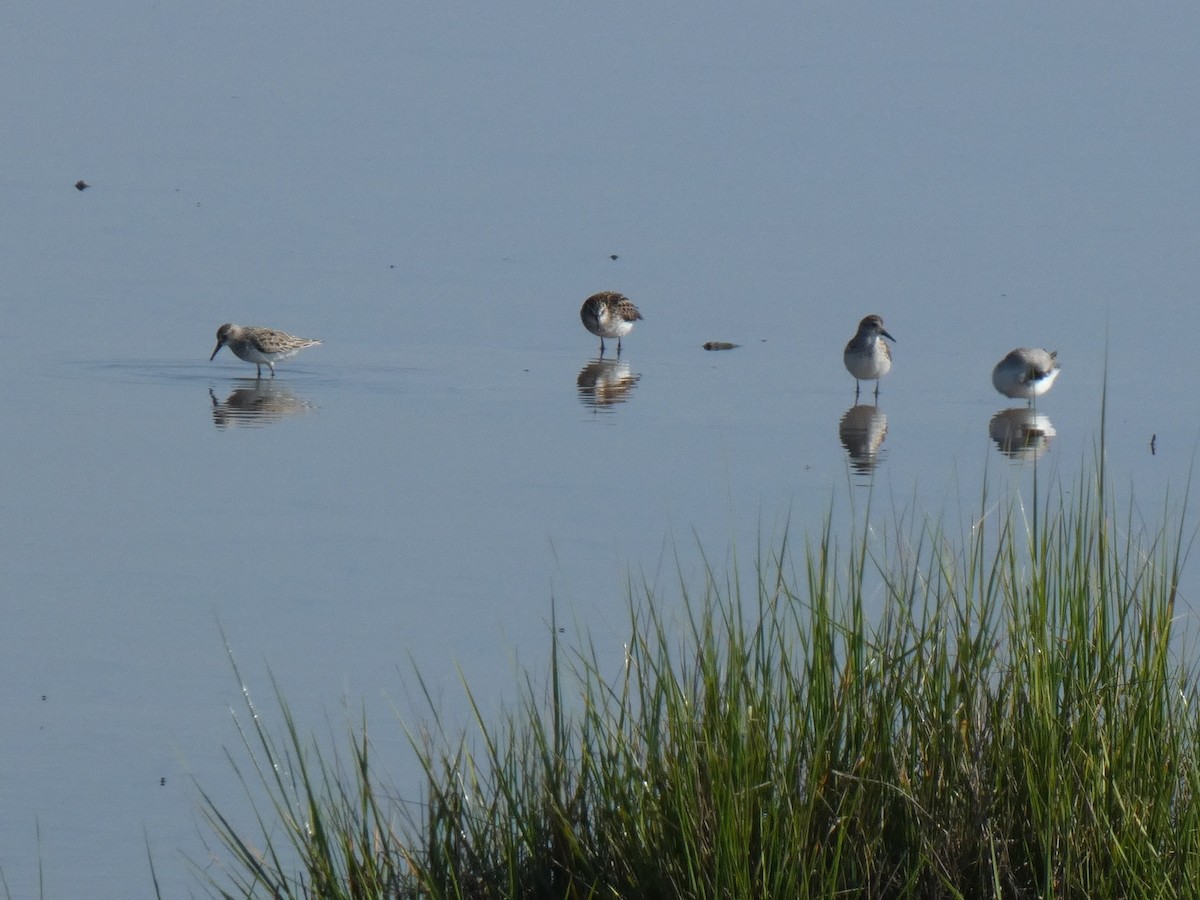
(434, 193)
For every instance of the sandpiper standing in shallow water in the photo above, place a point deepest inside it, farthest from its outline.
(609, 315)
(1026, 373)
(261, 346)
(867, 355)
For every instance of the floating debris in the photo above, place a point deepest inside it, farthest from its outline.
(81, 185)
(720, 345)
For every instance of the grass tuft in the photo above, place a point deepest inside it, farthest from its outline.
(1005, 714)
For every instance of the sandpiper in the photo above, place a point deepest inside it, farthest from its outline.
(261, 346)
(867, 356)
(1026, 373)
(609, 315)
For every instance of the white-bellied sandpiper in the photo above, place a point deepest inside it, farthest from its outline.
(867, 355)
(609, 315)
(261, 346)
(1026, 373)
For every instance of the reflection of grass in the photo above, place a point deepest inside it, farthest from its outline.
(1012, 723)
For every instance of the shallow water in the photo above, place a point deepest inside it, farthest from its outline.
(433, 193)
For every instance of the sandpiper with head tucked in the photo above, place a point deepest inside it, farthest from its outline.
(261, 346)
(1026, 373)
(609, 315)
(867, 356)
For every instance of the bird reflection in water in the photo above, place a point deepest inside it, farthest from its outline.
(1021, 433)
(862, 430)
(258, 404)
(605, 382)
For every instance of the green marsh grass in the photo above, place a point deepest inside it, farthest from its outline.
(1007, 713)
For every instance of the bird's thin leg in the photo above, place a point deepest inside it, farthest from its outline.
(258, 370)
(876, 388)
(618, 346)
(857, 388)
(602, 348)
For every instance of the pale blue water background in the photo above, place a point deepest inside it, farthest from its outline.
(433, 191)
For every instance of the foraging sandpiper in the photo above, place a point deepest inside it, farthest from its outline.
(261, 346)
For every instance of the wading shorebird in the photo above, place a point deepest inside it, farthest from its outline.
(609, 315)
(867, 355)
(261, 346)
(1026, 373)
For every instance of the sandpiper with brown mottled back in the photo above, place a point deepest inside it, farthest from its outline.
(261, 346)
(609, 315)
